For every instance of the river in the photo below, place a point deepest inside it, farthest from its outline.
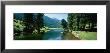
(54, 34)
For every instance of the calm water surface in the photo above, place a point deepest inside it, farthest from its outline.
(54, 34)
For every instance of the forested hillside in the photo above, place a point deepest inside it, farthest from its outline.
(51, 22)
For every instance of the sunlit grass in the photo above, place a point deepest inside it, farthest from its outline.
(87, 35)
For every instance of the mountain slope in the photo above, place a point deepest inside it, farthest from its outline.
(51, 22)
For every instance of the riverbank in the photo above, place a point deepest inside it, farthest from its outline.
(80, 35)
(28, 37)
(69, 36)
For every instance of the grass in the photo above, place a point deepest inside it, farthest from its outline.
(87, 35)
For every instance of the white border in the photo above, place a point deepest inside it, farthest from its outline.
(100, 43)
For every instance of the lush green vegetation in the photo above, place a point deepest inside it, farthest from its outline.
(82, 21)
(85, 23)
(64, 24)
(86, 35)
(32, 26)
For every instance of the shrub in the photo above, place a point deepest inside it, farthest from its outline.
(35, 32)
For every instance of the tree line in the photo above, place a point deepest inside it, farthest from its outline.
(29, 23)
(80, 22)
(34, 22)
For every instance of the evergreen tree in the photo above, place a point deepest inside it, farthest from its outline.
(28, 21)
(64, 23)
(39, 21)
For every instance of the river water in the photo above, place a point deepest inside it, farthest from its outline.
(54, 34)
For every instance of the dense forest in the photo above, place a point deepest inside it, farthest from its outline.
(32, 26)
(82, 21)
